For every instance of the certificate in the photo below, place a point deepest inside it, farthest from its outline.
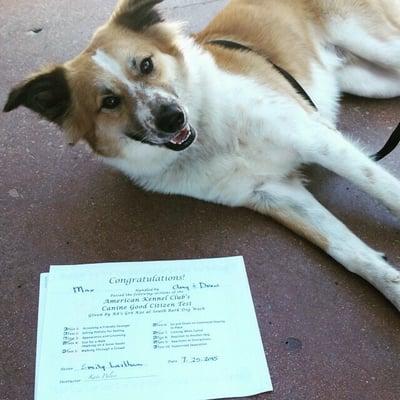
(167, 330)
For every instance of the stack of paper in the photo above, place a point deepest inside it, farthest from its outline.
(170, 330)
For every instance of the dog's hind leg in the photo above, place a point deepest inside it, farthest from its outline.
(368, 34)
(292, 205)
(369, 37)
(363, 78)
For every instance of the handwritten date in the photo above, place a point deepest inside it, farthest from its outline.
(191, 360)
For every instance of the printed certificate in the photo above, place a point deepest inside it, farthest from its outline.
(170, 330)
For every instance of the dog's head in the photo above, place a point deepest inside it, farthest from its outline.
(121, 91)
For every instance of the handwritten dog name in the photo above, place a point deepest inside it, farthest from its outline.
(81, 289)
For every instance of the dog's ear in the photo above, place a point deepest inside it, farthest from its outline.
(46, 93)
(137, 14)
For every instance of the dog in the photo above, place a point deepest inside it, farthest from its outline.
(231, 114)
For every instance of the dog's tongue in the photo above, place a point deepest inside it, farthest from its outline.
(181, 136)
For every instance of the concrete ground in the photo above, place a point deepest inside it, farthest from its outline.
(327, 333)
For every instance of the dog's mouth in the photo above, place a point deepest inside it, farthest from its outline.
(182, 139)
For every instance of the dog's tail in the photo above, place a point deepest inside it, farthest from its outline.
(389, 146)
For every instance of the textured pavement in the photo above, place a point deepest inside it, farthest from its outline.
(327, 333)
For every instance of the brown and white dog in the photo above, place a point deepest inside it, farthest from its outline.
(214, 117)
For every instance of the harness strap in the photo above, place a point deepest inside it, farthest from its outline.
(293, 82)
(389, 146)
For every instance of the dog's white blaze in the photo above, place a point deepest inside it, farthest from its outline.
(143, 112)
(110, 65)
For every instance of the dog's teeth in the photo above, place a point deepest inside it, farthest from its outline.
(181, 137)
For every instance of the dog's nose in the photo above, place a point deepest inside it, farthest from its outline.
(170, 118)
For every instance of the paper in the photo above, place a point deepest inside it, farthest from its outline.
(171, 330)
(42, 305)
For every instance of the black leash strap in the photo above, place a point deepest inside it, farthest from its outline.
(293, 82)
(229, 44)
(389, 146)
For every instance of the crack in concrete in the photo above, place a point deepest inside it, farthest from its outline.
(200, 3)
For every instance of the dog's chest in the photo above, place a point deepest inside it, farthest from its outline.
(228, 177)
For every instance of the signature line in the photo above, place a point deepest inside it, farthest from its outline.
(114, 379)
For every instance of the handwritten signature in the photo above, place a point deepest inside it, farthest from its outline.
(103, 376)
(110, 365)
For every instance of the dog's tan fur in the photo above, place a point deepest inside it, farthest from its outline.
(248, 150)
(270, 27)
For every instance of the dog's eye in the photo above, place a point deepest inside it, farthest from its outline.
(146, 66)
(111, 102)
